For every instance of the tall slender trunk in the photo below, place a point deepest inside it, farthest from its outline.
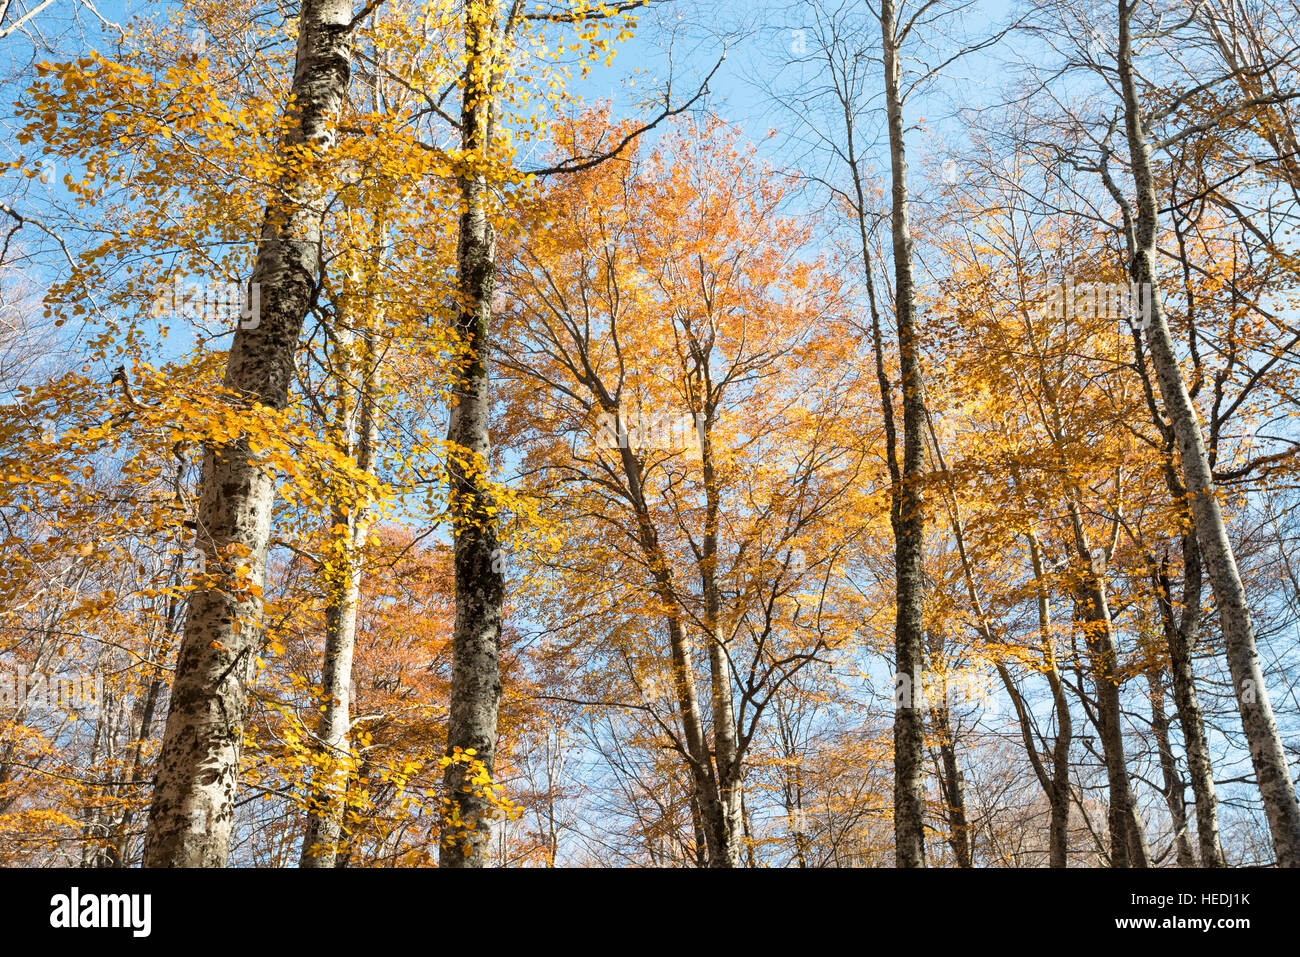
(906, 512)
(198, 767)
(716, 803)
(479, 578)
(147, 708)
(717, 820)
(1174, 789)
(93, 850)
(796, 815)
(792, 788)
(726, 751)
(953, 787)
(1180, 638)
(1272, 772)
(951, 782)
(356, 431)
(748, 836)
(1128, 846)
(1056, 786)
(117, 854)
(1058, 793)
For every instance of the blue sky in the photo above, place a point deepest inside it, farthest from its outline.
(763, 36)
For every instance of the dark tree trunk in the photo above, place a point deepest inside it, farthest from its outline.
(1180, 637)
(1174, 790)
(479, 574)
(907, 511)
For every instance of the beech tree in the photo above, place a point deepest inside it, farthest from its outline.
(415, 451)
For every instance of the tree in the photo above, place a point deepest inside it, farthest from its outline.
(1266, 751)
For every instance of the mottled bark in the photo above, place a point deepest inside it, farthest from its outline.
(906, 513)
(1128, 845)
(1173, 789)
(479, 568)
(355, 428)
(192, 811)
(1267, 754)
(952, 786)
(1180, 639)
(729, 826)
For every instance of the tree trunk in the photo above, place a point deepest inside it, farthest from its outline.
(1266, 752)
(479, 578)
(716, 798)
(952, 786)
(356, 430)
(1128, 846)
(1058, 793)
(727, 757)
(325, 812)
(1180, 637)
(1056, 786)
(1174, 790)
(147, 708)
(954, 791)
(192, 811)
(906, 512)
(697, 825)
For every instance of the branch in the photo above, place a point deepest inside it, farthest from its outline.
(613, 9)
(368, 9)
(578, 163)
(25, 220)
(24, 18)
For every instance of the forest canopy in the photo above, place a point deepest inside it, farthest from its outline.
(478, 433)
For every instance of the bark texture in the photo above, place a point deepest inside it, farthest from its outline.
(191, 814)
(479, 572)
(1180, 639)
(906, 513)
(356, 432)
(1266, 751)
